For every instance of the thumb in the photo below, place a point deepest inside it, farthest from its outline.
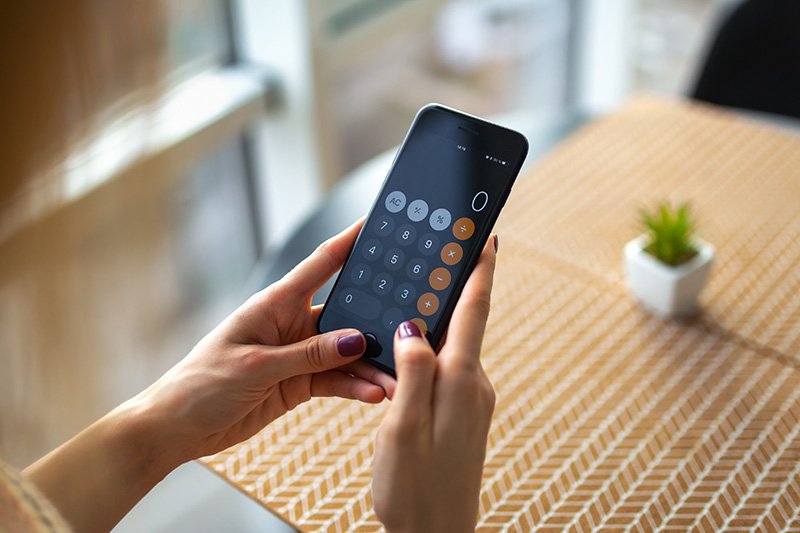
(415, 362)
(317, 354)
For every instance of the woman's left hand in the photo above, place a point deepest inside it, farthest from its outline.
(262, 361)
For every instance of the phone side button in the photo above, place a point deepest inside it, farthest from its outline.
(374, 348)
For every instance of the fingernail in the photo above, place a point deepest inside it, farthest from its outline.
(408, 329)
(496, 243)
(350, 344)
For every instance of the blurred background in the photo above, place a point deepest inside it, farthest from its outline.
(159, 154)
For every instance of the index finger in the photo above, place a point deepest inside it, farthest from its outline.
(307, 277)
(465, 333)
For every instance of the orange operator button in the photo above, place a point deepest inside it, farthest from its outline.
(463, 228)
(452, 253)
(439, 278)
(423, 327)
(428, 304)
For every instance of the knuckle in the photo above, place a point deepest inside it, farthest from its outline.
(315, 354)
(325, 250)
(480, 302)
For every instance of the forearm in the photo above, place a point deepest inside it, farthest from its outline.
(98, 476)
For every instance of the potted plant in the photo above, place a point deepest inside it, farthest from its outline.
(668, 265)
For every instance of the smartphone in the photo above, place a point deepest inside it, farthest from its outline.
(426, 230)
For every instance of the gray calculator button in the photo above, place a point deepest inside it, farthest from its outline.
(440, 219)
(405, 294)
(372, 249)
(392, 318)
(394, 259)
(360, 274)
(417, 268)
(383, 225)
(405, 234)
(360, 304)
(383, 284)
(395, 202)
(417, 210)
(428, 244)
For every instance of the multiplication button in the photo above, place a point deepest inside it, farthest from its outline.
(451, 253)
(395, 202)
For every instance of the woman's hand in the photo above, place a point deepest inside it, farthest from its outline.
(431, 446)
(262, 361)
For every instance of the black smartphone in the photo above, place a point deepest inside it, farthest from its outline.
(426, 230)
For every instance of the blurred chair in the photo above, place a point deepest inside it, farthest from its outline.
(754, 59)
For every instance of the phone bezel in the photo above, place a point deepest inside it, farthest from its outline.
(479, 127)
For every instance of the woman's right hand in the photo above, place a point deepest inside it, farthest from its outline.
(432, 443)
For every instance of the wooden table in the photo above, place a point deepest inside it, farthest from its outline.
(608, 417)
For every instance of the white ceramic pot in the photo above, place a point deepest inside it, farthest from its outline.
(667, 290)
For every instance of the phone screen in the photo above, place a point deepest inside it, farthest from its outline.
(426, 230)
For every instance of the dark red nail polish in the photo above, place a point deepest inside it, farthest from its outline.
(408, 329)
(496, 243)
(351, 344)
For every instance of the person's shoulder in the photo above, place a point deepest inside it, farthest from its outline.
(23, 508)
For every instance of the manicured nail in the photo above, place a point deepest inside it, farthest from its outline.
(496, 243)
(408, 329)
(350, 344)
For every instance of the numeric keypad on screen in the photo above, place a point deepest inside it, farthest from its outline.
(408, 257)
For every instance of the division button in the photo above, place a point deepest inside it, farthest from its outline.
(374, 347)
(463, 228)
(440, 219)
(417, 210)
(451, 253)
(428, 304)
(395, 202)
(439, 278)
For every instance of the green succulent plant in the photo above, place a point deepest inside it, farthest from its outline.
(670, 233)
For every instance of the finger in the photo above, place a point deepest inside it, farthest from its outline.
(465, 332)
(341, 385)
(366, 371)
(415, 363)
(314, 354)
(312, 273)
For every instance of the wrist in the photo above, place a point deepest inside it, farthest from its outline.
(140, 438)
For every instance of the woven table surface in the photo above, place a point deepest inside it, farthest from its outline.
(607, 417)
